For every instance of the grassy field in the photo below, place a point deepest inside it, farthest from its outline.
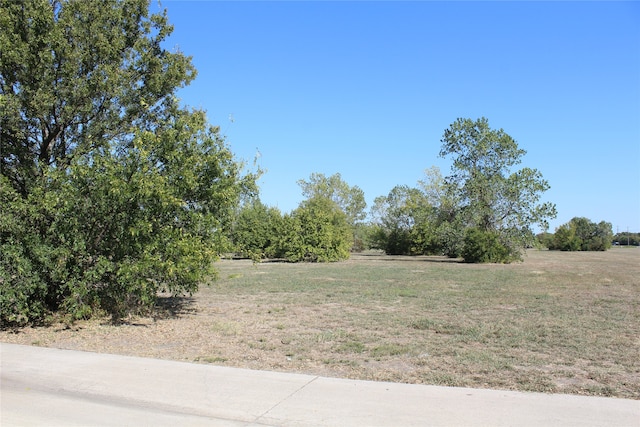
(558, 322)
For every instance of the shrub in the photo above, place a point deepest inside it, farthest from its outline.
(484, 246)
(255, 231)
(110, 191)
(580, 234)
(317, 231)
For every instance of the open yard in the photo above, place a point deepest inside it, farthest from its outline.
(558, 322)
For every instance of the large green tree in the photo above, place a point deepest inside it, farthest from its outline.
(77, 76)
(492, 197)
(109, 191)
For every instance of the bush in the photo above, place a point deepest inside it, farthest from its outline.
(22, 293)
(317, 231)
(110, 191)
(484, 246)
(27, 257)
(580, 234)
(255, 231)
(116, 228)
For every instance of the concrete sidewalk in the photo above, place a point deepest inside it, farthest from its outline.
(42, 386)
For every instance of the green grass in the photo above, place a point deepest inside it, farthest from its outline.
(558, 322)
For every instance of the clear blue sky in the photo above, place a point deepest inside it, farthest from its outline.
(367, 89)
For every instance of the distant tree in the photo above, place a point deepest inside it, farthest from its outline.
(594, 237)
(317, 231)
(491, 197)
(110, 192)
(451, 237)
(565, 239)
(365, 237)
(350, 199)
(544, 239)
(397, 215)
(625, 238)
(421, 220)
(580, 234)
(256, 230)
(441, 231)
(434, 187)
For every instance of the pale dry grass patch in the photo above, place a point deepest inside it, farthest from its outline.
(558, 322)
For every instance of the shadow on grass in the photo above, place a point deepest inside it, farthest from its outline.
(165, 308)
(377, 257)
(173, 307)
(408, 258)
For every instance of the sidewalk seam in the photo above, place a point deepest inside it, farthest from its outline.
(257, 420)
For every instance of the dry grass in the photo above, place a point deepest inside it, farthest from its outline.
(558, 322)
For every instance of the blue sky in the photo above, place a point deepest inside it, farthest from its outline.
(367, 89)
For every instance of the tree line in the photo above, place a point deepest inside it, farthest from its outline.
(626, 239)
(579, 234)
(483, 211)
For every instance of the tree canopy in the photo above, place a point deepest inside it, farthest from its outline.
(398, 216)
(78, 76)
(348, 198)
(483, 211)
(581, 234)
(492, 197)
(110, 191)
